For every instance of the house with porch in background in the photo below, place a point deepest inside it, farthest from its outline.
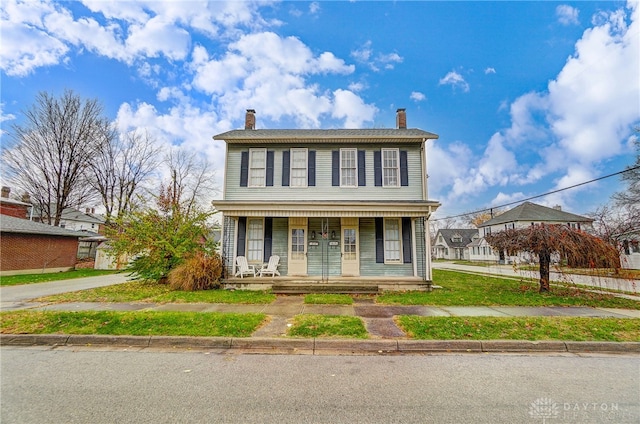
(452, 243)
(340, 207)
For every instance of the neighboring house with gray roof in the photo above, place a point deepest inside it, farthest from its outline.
(529, 214)
(336, 205)
(33, 247)
(452, 243)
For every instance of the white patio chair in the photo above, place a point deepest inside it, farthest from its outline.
(271, 268)
(243, 268)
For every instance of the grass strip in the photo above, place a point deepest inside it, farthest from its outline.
(461, 289)
(328, 299)
(142, 323)
(310, 325)
(137, 291)
(14, 280)
(133, 291)
(521, 328)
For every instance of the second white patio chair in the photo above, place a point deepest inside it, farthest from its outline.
(271, 268)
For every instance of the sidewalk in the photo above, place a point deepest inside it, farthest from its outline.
(384, 335)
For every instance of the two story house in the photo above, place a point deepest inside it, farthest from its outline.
(524, 215)
(336, 205)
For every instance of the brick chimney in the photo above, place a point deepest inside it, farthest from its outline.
(26, 198)
(401, 119)
(250, 120)
(6, 191)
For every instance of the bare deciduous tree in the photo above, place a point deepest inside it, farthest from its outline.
(52, 151)
(544, 240)
(191, 179)
(120, 165)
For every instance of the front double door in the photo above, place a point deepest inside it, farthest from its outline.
(332, 246)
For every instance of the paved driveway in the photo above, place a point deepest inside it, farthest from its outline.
(15, 297)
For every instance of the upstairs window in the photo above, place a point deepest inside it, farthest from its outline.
(299, 167)
(390, 168)
(257, 167)
(348, 168)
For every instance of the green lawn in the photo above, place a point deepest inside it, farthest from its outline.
(142, 323)
(328, 299)
(460, 289)
(136, 291)
(14, 280)
(309, 325)
(521, 328)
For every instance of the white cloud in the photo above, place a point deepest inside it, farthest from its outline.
(375, 61)
(489, 71)
(352, 109)
(267, 72)
(454, 79)
(417, 96)
(40, 33)
(314, 7)
(567, 15)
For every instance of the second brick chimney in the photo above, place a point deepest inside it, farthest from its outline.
(401, 119)
(250, 120)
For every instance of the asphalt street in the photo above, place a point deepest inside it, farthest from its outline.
(105, 385)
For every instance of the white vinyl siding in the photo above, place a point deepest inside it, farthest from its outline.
(323, 188)
(390, 168)
(348, 168)
(255, 240)
(298, 168)
(257, 167)
(392, 241)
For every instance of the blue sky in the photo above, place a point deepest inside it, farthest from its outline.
(527, 97)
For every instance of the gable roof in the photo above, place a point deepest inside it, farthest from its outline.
(466, 235)
(327, 136)
(531, 212)
(10, 224)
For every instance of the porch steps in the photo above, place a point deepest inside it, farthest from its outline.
(298, 288)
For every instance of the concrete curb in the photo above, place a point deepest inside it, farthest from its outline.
(321, 346)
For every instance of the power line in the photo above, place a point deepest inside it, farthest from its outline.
(540, 195)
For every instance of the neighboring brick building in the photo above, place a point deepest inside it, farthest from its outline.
(12, 207)
(30, 247)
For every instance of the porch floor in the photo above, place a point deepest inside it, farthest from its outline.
(316, 284)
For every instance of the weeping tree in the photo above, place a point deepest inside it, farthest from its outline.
(543, 241)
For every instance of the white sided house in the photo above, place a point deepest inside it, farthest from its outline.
(529, 214)
(453, 244)
(342, 208)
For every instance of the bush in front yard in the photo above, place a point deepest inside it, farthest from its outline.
(200, 272)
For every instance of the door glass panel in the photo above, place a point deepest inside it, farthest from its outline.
(349, 244)
(297, 243)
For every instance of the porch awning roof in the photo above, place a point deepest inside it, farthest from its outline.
(327, 209)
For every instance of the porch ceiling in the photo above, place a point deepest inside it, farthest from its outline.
(327, 209)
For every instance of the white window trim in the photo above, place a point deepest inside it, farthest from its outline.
(306, 163)
(249, 239)
(252, 169)
(400, 257)
(355, 153)
(397, 168)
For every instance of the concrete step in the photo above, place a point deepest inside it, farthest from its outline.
(324, 288)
